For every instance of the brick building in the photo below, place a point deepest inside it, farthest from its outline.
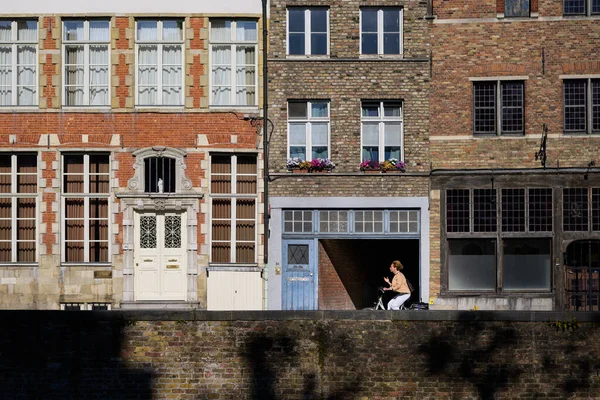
(348, 82)
(130, 161)
(515, 194)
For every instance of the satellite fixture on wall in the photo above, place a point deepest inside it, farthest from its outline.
(541, 153)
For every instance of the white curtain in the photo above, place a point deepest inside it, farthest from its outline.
(27, 31)
(220, 31)
(171, 75)
(73, 30)
(171, 30)
(147, 74)
(245, 76)
(74, 79)
(99, 75)
(147, 30)
(246, 31)
(5, 75)
(221, 75)
(99, 31)
(26, 72)
(5, 31)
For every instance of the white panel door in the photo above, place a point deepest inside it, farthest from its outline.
(234, 290)
(160, 256)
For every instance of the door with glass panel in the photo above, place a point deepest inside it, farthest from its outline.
(160, 259)
(300, 280)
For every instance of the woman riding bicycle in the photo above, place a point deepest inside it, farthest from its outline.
(398, 285)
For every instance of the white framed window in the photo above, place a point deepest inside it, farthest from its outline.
(382, 130)
(160, 55)
(86, 53)
(308, 31)
(298, 221)
(333, 221)
(381, 30)
(18, 207)
(308, 129)
(18, 62)
(233, 50)
(234, 196)
(85, 207)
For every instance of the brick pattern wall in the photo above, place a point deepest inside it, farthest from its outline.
(80, 356)
(332, 293)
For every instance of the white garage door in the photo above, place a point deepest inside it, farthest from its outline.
(234, 290)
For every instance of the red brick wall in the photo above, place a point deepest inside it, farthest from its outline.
(332, 293)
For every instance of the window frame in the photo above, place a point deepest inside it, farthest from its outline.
(233, 43)
(86, 195)
(86, 43)
(160, 43)
(381, 120)
(307, 32)
(380, 31)
(588, 9)
(498, 105)
(14, 44)
(14, 195)
(499, 236)
(588, 81)
(308, 121)
(233, 196)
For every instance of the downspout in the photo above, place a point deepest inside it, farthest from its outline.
(266, 217)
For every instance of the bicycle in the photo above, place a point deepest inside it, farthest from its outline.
(378, 305)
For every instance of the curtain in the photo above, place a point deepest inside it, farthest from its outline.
(172, 30)
(5, 174)
(370, 139)
(147, 74)
(98, 230)
(26, 230)
(221, 74)
(99, 75)
(99, 174)
(5, 31)
(73, 30)
(5, 74)
(220, 174)
(245, 230)
(73, 175)
(99, 31)
(246, 174)
(171, 75)
(147, 30)
(392, 140)
(221, 230)
(5, 230)
(319, 133)
(246, 76)
(74, 235)
(220, 31)
(26, 72)
(246, 31)
(27, 173)
(74, 64)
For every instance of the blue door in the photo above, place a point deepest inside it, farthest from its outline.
(300, 279)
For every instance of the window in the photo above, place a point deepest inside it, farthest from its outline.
(308, 129)
(473, 234)
(404, 221)
(233, 62)
(581, 7)
(516, 8)
(18, 195)
(308, 31)
(368, 221)
(333, 221)
(159, 59)
(18, 62)
(233, 186)
(86, 191)
(381, 126)
(581, 105)
(297, 221)
(159, 175)
(86, 49)
(381, 30)
(498, 107)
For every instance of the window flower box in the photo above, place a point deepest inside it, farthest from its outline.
(389, 166)
(318, 165)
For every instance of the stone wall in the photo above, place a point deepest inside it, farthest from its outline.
(312, 355)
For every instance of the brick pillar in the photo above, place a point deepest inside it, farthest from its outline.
(123, 58)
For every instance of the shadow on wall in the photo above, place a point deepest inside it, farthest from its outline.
(488, 358)
(66, 355)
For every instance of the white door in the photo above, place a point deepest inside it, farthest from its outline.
(160, 256)
(234, 290)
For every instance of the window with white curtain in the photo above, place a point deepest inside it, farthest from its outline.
(308, 129)
(18, 62)
(159, 46)
(233, 45)
(86, 45)
(381, 130)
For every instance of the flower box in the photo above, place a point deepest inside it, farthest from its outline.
(298, 171)
(297, 165)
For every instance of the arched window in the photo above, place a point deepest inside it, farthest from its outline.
(159, 170)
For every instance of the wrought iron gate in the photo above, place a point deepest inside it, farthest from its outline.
(582, 276)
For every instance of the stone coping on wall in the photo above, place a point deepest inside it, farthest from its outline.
(362, 315)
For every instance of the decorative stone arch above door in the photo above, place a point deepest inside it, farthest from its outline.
(182, 182)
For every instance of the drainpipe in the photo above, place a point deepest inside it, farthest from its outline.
(265, 133)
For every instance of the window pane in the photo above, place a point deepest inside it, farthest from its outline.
(391, 21)
(296, 20)
(457, 210)
(391, 43)
(298, 152)
(369, 20)
(574, 93)
(574, 6)
(393, 134)
(513, 210)
(297, 134)
(472, 264)
(596, 102)
(370, 133)
(484, 210)
(516, 8)
(99, 30)
(369, 43)
(391, 152)
(318, 43)
(297, 110)
(246, 31)
(73, 174)
(319, 134)
(319, 110)
(27, 31)
(220, 178)
(318, 20)
(527, 264)
(220, 30)
(370, 153)
(296, 44)
(73, 30)
(484, 106)
(575, 209)
(392, 110)
(5, 31)
(147, 30)
(540, 210)
(370, 109)
(159, 172)
(26, 173)
(5, 174)
(595, 6)
(512, 107)
(172, 30)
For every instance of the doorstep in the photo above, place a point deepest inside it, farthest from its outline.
(160, 305)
